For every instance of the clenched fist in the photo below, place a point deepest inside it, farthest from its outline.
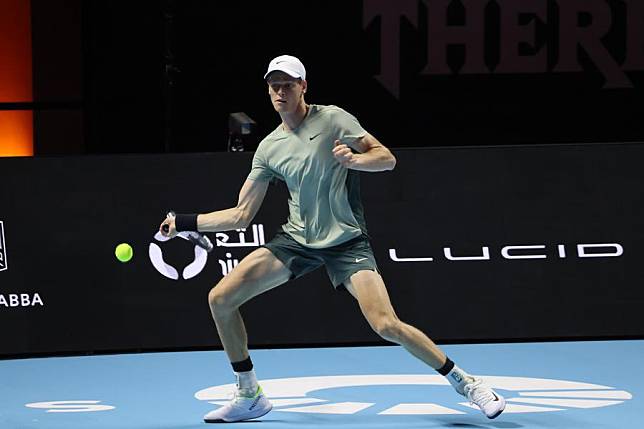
(343, 154)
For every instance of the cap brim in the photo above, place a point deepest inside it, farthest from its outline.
(285, 70)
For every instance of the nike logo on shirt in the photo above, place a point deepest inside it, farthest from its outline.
(312, 137)
(361, 259)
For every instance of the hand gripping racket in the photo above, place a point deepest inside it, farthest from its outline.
(192, 236)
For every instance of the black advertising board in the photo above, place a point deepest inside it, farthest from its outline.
(479, 243)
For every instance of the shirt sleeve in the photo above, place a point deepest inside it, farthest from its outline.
(348, 127)
(260, 171)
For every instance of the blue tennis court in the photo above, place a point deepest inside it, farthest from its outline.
(596, 384)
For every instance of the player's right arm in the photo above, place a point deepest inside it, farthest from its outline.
(250, 200)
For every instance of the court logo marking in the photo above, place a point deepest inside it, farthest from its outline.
(70, 406)
(523, 394)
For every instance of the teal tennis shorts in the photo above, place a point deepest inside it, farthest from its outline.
(341, 261)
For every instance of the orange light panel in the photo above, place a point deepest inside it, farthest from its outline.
(16, 133)
(16, 127)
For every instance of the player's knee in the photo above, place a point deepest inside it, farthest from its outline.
(388, 327)
(218, 301)
(214, 298)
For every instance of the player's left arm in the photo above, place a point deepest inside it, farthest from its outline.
(372, 155)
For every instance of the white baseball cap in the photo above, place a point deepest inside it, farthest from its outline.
(287, 64)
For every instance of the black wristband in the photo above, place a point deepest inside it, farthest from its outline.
(185, 222)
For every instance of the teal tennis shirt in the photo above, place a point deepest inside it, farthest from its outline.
(324, 197)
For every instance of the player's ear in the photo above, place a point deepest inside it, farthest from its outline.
(304, 86)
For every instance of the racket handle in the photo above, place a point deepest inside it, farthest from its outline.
(166, 227)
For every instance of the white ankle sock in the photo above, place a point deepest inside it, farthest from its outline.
(247, 381)
(458, 379)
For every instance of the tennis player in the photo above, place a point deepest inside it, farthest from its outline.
(318, 151)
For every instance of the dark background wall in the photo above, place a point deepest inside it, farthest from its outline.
(58, 77)
(162, 76)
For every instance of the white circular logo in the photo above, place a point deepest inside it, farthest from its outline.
(526, 395)
(191, 270)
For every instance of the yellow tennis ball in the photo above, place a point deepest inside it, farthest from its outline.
(124, 252)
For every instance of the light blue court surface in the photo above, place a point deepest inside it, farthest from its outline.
(548, 385)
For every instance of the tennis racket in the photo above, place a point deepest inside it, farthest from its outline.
(192, 236)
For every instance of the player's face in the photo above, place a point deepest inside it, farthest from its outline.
(285, 91)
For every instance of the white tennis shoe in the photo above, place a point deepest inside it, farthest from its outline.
(491, 403)
(241, 408)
